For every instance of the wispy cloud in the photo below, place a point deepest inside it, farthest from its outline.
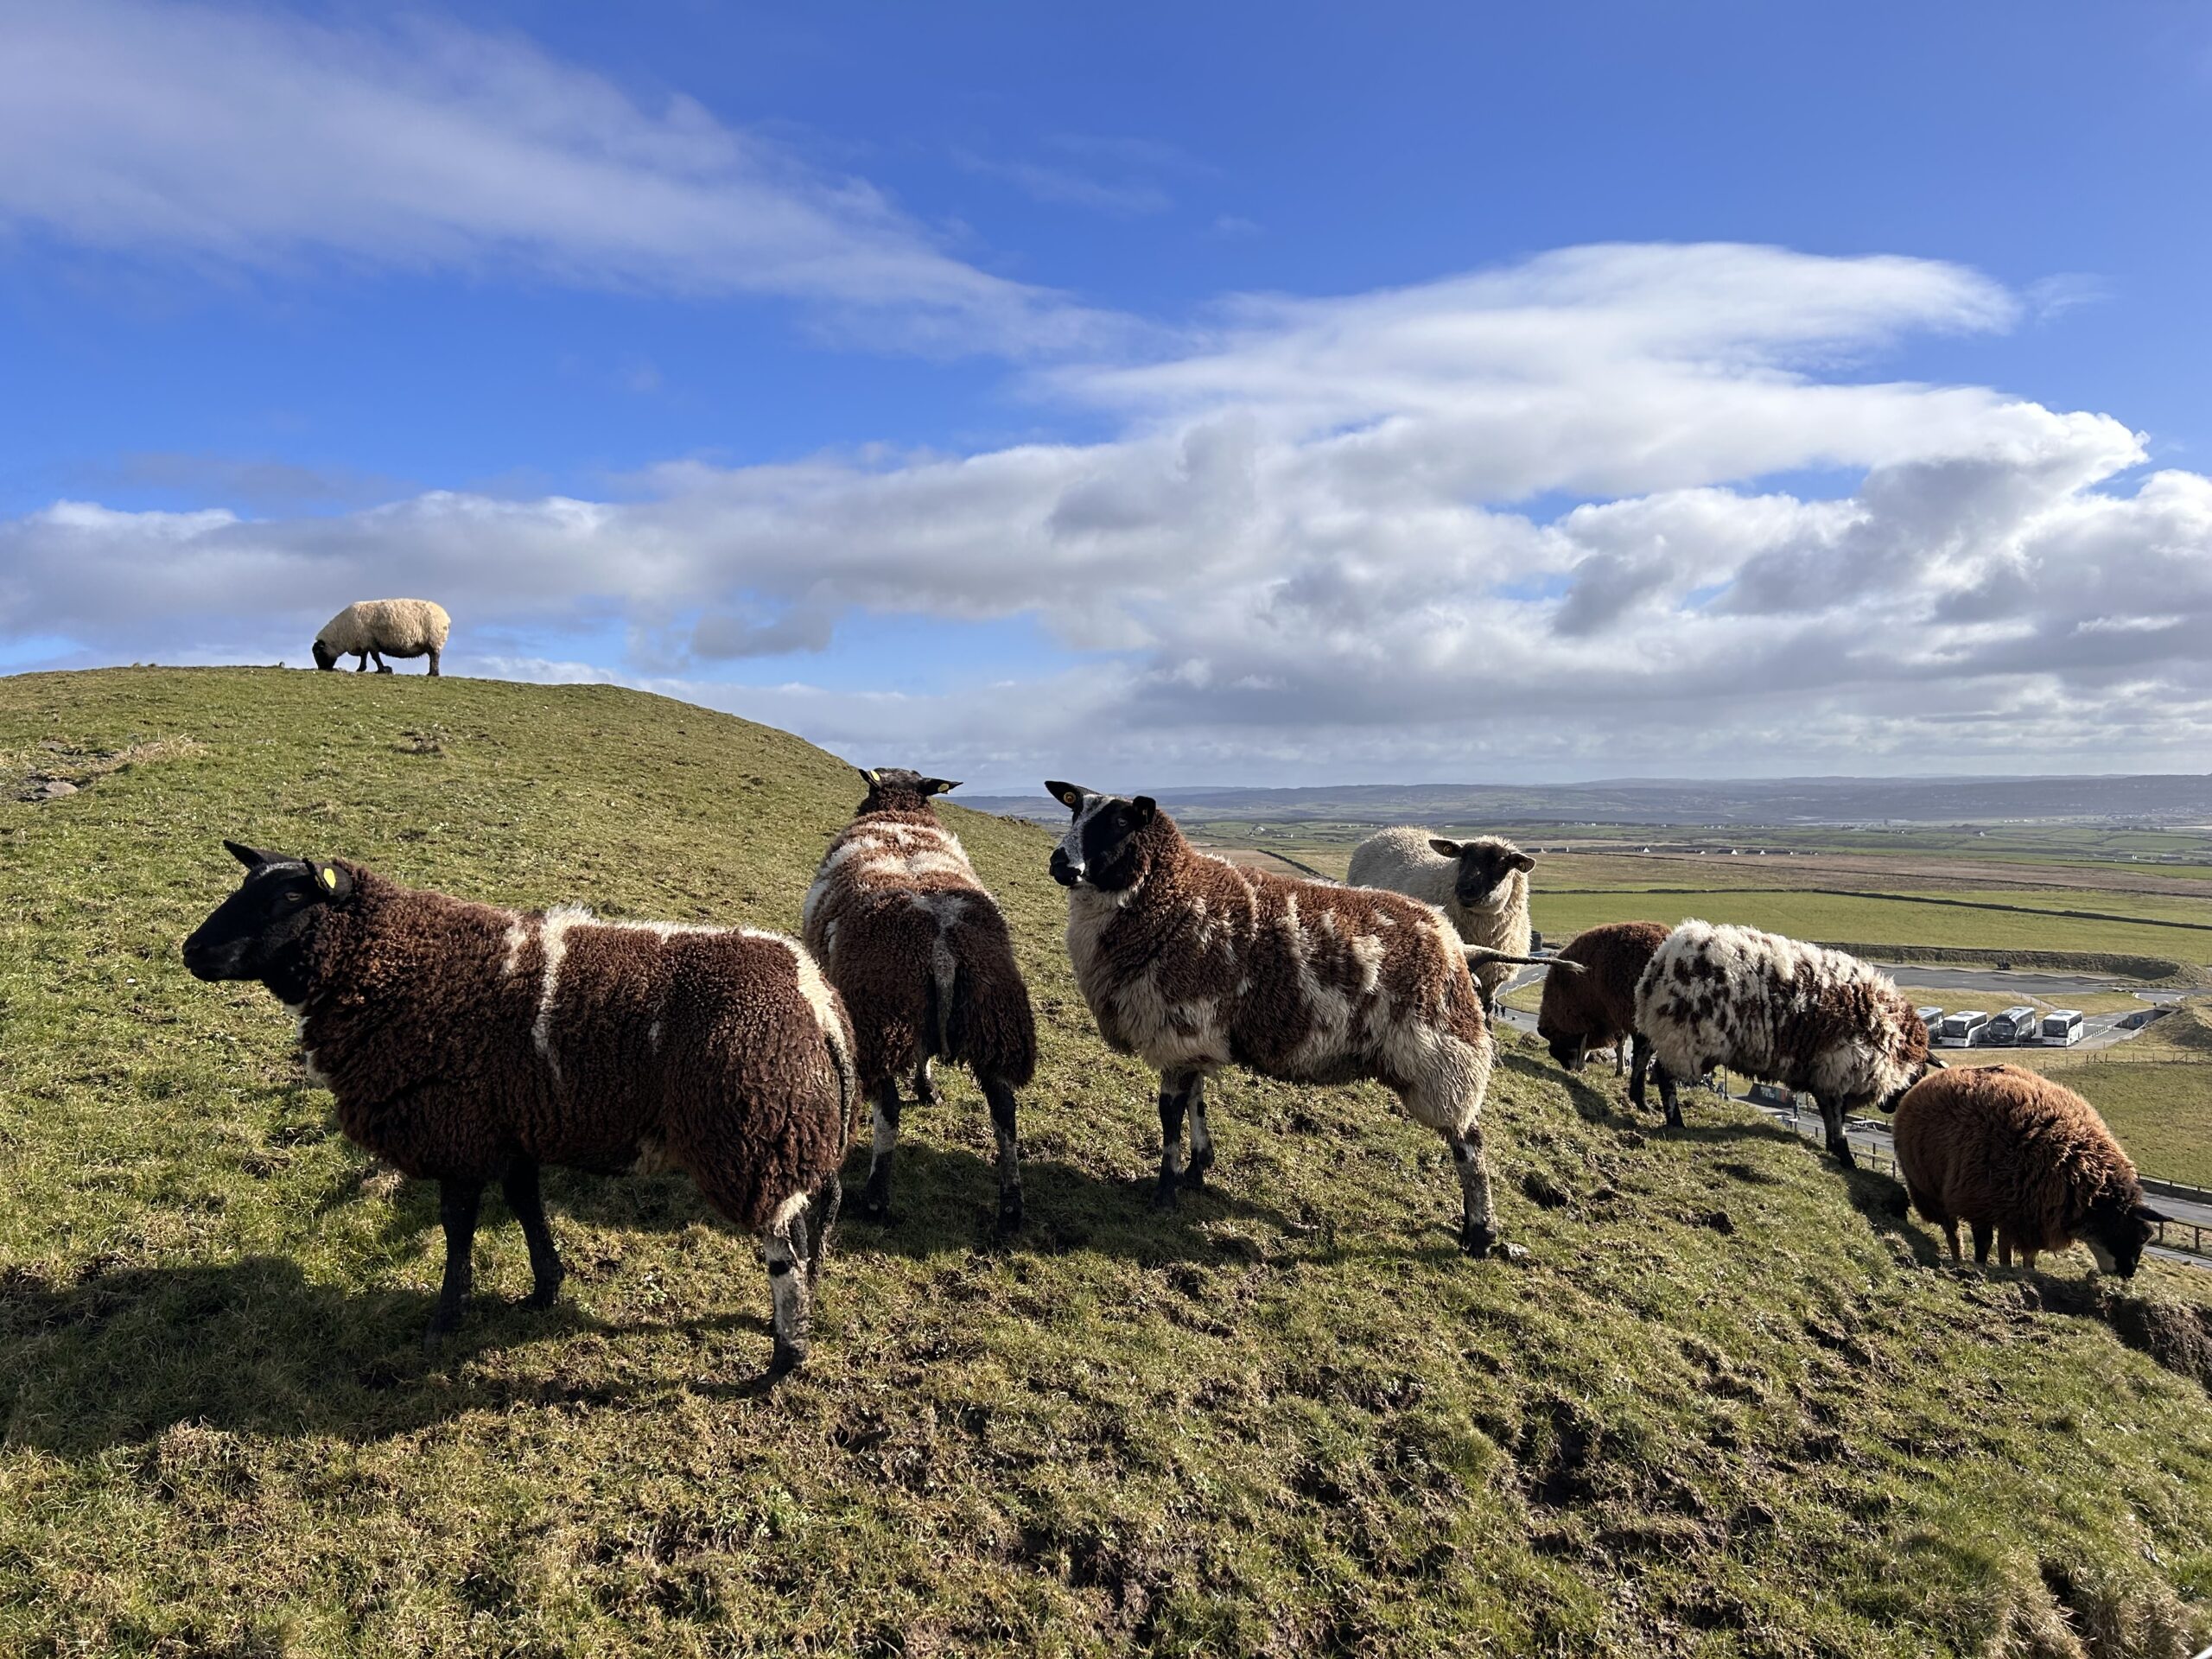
(1064, 186)
(1307, 552)
(248, 138)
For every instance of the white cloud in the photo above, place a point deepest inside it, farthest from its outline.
(1312, 552)
(245, 138)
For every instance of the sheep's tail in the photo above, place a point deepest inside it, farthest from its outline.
(1479, 954)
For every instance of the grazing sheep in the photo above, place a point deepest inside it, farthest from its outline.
(1193, 964)
(1814, 1020)
(1596, 1009)
(1481, 885)
(916, 947)
(467, 1043)
(381, 628)
(2006, 1150)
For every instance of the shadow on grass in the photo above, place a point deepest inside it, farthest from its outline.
(252, 1345)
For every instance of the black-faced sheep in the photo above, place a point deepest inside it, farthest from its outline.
(1482, 885)
(1814, 1020)
(382, 628)
(468, 1044)
(1597, 1007)
(1193, 964)
(2010, 1152)
(916, 947)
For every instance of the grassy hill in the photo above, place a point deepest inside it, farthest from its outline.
(1728, 1405)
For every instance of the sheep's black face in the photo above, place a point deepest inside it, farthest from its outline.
(261, 930)
(1101, 849)
(2116, 1234)
(1485, 869)
(896, 789)
(325, 657)
(1570, 1050)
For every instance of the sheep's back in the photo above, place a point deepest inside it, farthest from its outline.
(1600, 1003)
(1400, 860)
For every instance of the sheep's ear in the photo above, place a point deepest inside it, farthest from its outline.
(252, 857)
(1068, 794)
(1145, 809)
(1934, 1064)
(333, 883)
(937, 786)
(867, 775)
(1522, 861)
(2144, 1212)
(1446, 849)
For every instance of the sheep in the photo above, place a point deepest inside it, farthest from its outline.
(1815, 1020)
(381, 628)
(1482, 885)
(2006, 1150)
(467, 1043)
(1192, 963)
(1596, 1009)
(916, 946)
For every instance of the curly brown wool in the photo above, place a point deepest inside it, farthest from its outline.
(918, 949)
(2008, 1151)
(1596, 1009)
(466, 1042)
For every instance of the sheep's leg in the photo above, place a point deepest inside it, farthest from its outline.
(1666, 1081)
(1175, 1090)
(2028, 1258)
(520, 1184)
(788, 1294)
(2004, 1249)
(1201, 1136)
(875, 1203)
(360, 662)
(1620, 1058)
(1951, 1232)
(433, 665)
(1002, 1123)
(1478, 1236)
(926, 1092)
(828, 1199)
(1838, 1143)
(383, 667)
(1981, 1232)
(457, 1206)
(1640, 1051)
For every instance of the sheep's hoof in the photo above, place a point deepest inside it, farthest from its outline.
(1675, 1119)
(545, 1292)
(787, 1358)
(1843, 1155)
(441, 1328)
(1010, 1212)
(1163, 1196)
(1477, 1240)
(876, 1201)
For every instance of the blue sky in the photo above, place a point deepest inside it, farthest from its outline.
(1228, 394)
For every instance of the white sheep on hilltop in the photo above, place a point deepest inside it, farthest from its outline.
(381, 628)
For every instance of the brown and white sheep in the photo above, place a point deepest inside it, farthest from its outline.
(916, 945)
(2008, 1151)
(382, 628)
(1596, 1009)
(468, 1044)
(1481, 885)
(1813, 1020)
(1193, 964)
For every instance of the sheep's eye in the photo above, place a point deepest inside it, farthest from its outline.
(294, 897)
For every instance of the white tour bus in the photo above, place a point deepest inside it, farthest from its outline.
(2015, 1025)
(2063, 1027)
(1967, 1028)
(1931, 1018)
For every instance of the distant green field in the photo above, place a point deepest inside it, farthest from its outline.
(1884, 920)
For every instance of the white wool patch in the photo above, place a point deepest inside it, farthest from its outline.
(787, 1212)
(299, 1012)
(814, 987)
(554, 934)
(517, 934)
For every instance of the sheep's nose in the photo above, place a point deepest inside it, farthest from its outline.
(1066, 870)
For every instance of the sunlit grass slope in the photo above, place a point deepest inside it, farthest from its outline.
(1726, 1406)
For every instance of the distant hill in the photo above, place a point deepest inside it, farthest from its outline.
(2153, 798)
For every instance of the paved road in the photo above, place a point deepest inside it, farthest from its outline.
(2013, 985)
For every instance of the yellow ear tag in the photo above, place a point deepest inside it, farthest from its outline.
(328, 877)
(1072, 799)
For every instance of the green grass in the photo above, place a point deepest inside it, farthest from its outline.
(1830, 917)
(1726, 1407)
